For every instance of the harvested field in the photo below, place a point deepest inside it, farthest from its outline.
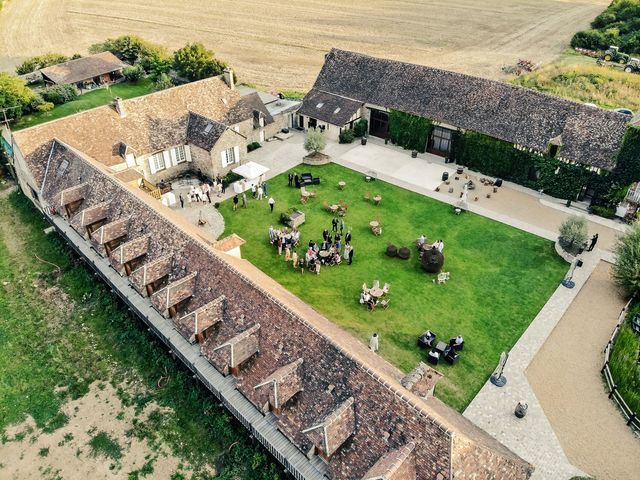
(281, 44)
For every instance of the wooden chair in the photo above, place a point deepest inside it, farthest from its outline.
(303, 190)
(385, 303)
(376, 283)
(367, 196)
(386, 287)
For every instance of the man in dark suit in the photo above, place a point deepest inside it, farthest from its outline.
(347, 237)
(291, 179)
(350, 255)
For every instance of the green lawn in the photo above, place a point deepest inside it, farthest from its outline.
(101, 96)
(624, 365)
(53, 347)
(500, 276)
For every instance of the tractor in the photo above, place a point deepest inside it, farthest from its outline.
(632, 66)
(613, 54)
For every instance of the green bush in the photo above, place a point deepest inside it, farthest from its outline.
(626, 270)
(627, 168)
(347, 136)
(129, 48)
(195, 62)
(133, 74)
(229, 178)
(618, 25)
(602, 211)
(59, 94)
(409, 131)
(45, 107)
(360, 128)
(15, 96)
(573, 233)
(163, 82)
(253, 146)
(314, 141)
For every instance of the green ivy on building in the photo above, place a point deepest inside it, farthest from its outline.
(409, 131)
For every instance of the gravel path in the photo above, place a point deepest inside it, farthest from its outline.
(565, 376)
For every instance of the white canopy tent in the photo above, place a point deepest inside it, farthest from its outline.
(253, 174)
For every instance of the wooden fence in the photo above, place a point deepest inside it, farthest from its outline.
(630, 416)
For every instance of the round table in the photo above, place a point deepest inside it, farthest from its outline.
(374, 224)
(324, 253)
(376, 292)
(377, 199)
(334, 208)
(342, 185)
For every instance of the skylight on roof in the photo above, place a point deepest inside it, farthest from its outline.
(336, 110)
(224, 100)
(208, 128)
(319, 105)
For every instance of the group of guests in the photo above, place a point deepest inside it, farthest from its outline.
(202, 192)
(328, 253)
(423, 245)
(259, 190)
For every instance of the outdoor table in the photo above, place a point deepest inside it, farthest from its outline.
(441, 347)
(377, 199)
(333, 208)
(324, 253)
(342, 185)
(376, 292)
(374, 224)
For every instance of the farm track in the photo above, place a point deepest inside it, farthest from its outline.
(280, 44)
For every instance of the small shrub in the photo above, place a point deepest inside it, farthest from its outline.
(163, 82)
(216, 205)
(43, 452)
(573, 233)
(604, 212)
(133, 73)
(315, 141)
(432, 261)
(103, 444)
(404, 253)
(45, 107)
(60, 94)
(626, 270)
(347, 136)
(392, 250)
(229, 178)
(253, 146)
(360, 128)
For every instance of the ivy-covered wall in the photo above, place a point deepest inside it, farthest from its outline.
(627, 168)
(409, 131)
(497, 158)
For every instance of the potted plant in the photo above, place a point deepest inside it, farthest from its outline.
(363, 140)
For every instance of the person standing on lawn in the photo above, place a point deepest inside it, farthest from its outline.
(350, 254)
(235, 202)
(244, 200)
(291, 179)
(272, 202)
(334, 224)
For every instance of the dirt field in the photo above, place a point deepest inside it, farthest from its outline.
(281, 44)
(66, 453)
(565, 376)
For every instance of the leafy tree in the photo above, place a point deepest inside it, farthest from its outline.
(36, 63)
(131, 49)
(163, 82)
(627, 168)
(626, 271)
(156, 63)
(573, 233)
(133, 73)
(15, 93)
(315, 141)
(195, 62)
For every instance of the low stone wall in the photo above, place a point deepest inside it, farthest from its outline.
(563, 253)
(316, 159)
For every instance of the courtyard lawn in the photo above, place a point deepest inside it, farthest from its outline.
(500, 276)
(96, 98)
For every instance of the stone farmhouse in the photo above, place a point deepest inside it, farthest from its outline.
(332, 408)
(86, 72)
(203, 127)
(351, 86)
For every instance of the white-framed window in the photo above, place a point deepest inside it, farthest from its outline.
(230, 156)
(156, 162)
(181, 155)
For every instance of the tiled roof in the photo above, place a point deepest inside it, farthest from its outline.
(254, 102)
(328, 107)
(266, 335)
(83, 68)
(153, 122)
(203, 132)
(514, 114)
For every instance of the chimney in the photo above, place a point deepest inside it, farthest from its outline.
(119, 106)
(228, 78)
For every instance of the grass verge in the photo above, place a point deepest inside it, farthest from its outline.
(625, 364)
(500, 276)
